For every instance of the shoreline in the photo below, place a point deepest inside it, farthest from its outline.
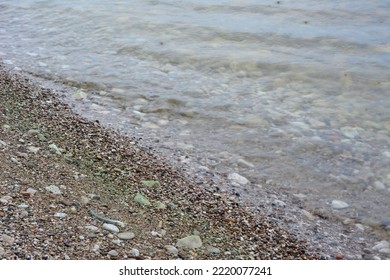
(229, 227)
(57, 167)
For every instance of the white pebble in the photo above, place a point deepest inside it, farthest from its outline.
(134, 252)
(338, 204)
(111, 228)
(60, 215)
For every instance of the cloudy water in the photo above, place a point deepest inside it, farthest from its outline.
(293, 92)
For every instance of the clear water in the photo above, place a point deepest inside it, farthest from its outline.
(300, 89)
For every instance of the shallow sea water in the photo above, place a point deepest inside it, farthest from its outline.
(291, 92)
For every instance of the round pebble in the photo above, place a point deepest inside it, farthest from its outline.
(127, 235)
(111, 228)
(134, 252)
(113, 253)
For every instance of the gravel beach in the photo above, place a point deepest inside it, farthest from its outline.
(72, 188)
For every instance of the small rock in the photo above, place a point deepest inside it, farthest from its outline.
(237, 178)
(111, 228)
(338, 204)
(379, 185)
(360, 227)
(33, 149)
(113, 253)
(2, 143)
(308, 215)
(92, 228)
(7, 239)
(141, 199)
(54, 148)
(126, 235)
(23, 206)
(150, 183)
(213, 250)
(381, 245)
(244, 163)
(278, 203)
(84, 200)
(31, 191)
(134, 252)
(190, 242)
(54, 189)
(60, 215)
(116, 241)
(171, 250)
(2, 251)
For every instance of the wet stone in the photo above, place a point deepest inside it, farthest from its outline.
(237, 178)
(338, 204)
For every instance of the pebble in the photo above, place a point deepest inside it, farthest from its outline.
(60, 215)
(213, 250)
(31, 191)
(33, 149)
(190, 242)
(84, 200)
(111, 228)
(23, 206)
(141, 199)
(338, 204)
(308, 214)
(237, 178)
(2, 143)
(54, 189)
(7, 239)
(278, 203)
(2, 251)
(126, 235)
(244, 163)
(134, 252)
(92, 228)
(117, 241)
(379, 185)
(171, 250)
(381, 245)
(113, 253)
(360, 227)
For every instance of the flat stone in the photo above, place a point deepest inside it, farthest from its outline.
(92, 228)
(7, 239)
(31, 191)
(338, 204)
(111, 228)
(237, 178)
(60, 215)
(23, 206)
(127, 235)
(113, 253)
(141, 199)
(213, 250)
(190, 242)
(171, 250)
(54, 189)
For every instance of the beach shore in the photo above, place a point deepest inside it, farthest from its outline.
(71, 189)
